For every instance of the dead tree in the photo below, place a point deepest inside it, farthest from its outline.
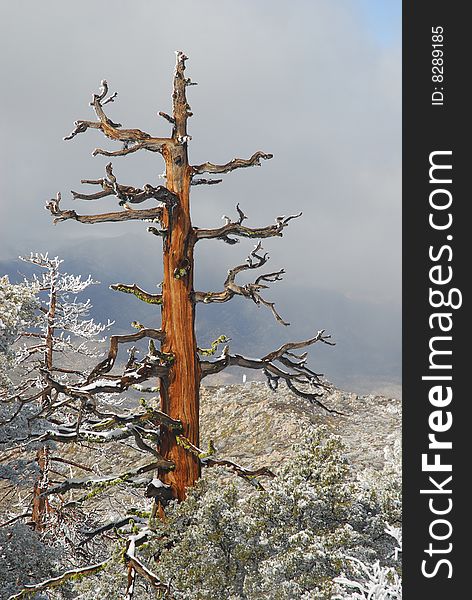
(180, 364)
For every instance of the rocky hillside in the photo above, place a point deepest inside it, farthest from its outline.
(252, 425)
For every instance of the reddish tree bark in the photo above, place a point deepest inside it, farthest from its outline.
(180, 363)
(180, 390)
(41, 507)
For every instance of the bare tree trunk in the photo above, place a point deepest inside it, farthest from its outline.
(41, 506)
(180, 391)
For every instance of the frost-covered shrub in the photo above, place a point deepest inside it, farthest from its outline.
(286, 542)
(313, 533)
(383, 488)
(374, 581)
(24, 559)
(17, 305)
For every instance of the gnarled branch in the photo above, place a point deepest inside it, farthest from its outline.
(115, 340)
(236, 163)
(102, 383)
(133, 139)
(237, 228)
(248, 290)
(281, 364)
(151, 214)
(126, 194)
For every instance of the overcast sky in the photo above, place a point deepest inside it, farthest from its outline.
(316, 82)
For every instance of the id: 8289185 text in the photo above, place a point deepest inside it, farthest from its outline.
(437, 65)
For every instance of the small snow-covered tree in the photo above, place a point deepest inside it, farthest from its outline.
(65, 329)
(45, 337)
(24, 559)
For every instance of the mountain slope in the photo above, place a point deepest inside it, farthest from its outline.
(252, 425)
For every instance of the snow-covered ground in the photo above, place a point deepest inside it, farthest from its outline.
(255, 426)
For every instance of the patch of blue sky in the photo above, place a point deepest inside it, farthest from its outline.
(383, 19)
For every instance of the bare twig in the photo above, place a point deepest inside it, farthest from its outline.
(278, 365)
(248, 290)
(208, 460)
(17, 518)
(70, 462)
(133, 139)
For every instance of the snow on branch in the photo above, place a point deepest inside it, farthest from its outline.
(125, 215)
(236, 163)
(96, 484)
(237, 228)
(126, 194)
(281, 364)
(99, 381)
(29, 590)
(102, 432)
(202, 181)
(135, 564)
(113, 524)
(248, 290)
(115, 340)
(151, 414)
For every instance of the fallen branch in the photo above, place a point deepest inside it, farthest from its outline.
(132, 560)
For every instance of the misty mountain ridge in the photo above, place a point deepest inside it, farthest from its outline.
(365, 359)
